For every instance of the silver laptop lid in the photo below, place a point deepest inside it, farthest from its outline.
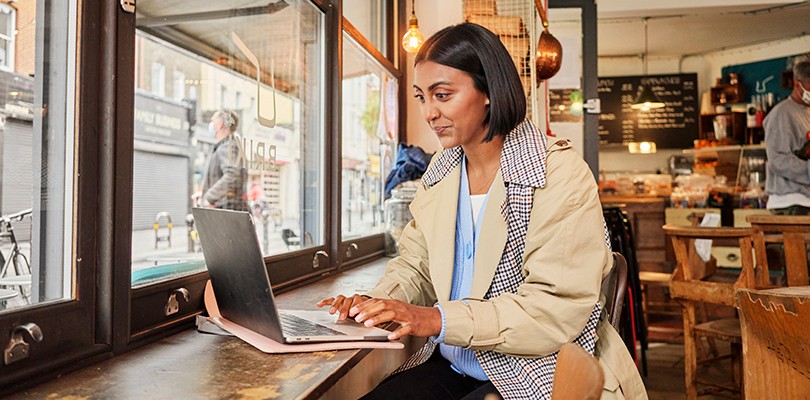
(236, 267)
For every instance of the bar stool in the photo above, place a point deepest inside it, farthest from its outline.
(659, 281)
(696, 283)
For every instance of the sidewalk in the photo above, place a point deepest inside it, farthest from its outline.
(145, 252)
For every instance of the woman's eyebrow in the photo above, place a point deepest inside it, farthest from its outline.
(433, 86)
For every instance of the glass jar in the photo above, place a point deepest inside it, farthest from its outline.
(397, 215)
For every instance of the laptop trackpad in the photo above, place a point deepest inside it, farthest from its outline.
(326, 328)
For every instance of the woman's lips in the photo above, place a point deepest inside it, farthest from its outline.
(439, 129)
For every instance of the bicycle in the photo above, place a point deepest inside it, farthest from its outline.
(21, 265)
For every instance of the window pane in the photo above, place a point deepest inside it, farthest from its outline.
(369, 133)
(37, 165)
(369, 17)
(214, 149)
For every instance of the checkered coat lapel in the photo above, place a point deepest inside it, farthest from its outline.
(523, 168)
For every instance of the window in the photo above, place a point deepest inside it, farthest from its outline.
(158, 79)
(369, 134)
(178, 86)
(372, 19)
(279, 137)
(110, 194)
(50, 176)
(7, 33)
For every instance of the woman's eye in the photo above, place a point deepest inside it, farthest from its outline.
(441, 96)
(419, 97)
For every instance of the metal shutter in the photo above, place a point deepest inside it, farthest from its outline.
(18, 173)
(160, 183)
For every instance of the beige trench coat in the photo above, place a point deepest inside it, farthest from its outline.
(564, 261)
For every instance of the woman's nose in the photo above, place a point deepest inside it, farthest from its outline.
(430, 112)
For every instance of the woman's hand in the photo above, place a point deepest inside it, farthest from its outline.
(414, 320)
(341, 304)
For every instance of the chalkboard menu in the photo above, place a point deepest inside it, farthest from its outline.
(672, 127)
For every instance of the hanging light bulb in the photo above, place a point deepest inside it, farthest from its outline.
(413, 39)
(646, 99)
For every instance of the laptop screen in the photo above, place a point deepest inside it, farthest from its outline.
(236, 267)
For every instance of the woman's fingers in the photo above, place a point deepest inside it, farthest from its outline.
(403, 330)
(342, 304)
(325, 302)
(380, 318)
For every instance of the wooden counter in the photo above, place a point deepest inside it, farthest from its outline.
(192, 365)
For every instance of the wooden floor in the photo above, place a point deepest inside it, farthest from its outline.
(665, 380)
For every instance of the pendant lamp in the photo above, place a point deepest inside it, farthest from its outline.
(646, 99)
(413, 39)
(548, 59)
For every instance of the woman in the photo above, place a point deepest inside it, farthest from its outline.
(530, 250)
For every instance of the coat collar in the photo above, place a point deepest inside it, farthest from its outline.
(523, 159)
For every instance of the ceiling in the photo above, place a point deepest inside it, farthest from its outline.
(675, 28)
(694, 27)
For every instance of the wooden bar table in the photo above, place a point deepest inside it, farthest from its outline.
(192, 365)
(776, 343)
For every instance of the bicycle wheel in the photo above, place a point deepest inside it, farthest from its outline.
(21, 264)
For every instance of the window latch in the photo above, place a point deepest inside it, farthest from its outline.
(128, 6)
(349, 249)
(17, 348)
(315, 261)
(173, 306)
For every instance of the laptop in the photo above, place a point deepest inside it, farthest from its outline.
(235, 264)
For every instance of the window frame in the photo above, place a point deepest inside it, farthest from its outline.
(371, 246)
(9, 36)
(77, 332)
(144, 305)
(116, 318)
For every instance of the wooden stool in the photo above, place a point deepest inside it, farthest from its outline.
(659, 280)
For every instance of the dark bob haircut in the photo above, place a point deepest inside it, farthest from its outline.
(478, 52)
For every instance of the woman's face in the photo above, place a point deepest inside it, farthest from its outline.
(451, 104)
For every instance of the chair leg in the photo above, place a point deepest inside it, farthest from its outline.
(737, 367)
(700, 310)
(690, 350)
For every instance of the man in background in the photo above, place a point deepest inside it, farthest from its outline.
(787, 133)
(225, 173)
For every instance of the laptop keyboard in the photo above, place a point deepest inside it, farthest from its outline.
(292, 325)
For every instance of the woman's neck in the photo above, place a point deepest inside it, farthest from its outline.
(483, 161)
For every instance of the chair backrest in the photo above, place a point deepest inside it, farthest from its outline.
(578, 375)
(614, 288)
(790, 230)
(691, 278)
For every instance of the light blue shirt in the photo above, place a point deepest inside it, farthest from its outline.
(463, 360)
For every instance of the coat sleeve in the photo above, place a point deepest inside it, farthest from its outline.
(779, 135)
(231, 161)
(407, 277)
(564, 258)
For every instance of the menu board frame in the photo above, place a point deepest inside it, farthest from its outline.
(673, 127)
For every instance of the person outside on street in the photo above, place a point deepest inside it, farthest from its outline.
(225, 172)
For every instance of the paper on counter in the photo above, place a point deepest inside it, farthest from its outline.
(703, 247)
(268, 345)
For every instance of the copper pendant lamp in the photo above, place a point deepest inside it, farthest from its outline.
(548, 59)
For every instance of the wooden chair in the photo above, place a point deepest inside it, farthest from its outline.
(695, 283)
(774, 332)
(578, 375)
(793, 232)
(614, 288)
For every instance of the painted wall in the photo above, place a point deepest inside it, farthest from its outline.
(433, 16)
(708, 69)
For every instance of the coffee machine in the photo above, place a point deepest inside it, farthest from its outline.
(752, 173)
(680, 165)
